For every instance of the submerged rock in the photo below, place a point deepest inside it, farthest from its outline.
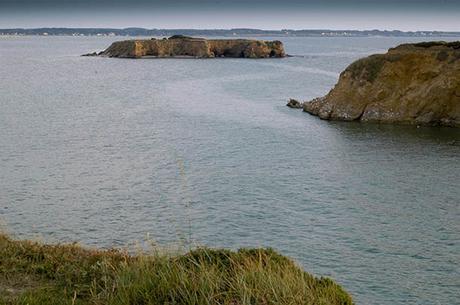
(412, 83)
(292, 103)
(178, 46)
(90, 54)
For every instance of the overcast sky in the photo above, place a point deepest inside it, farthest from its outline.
(264, 14)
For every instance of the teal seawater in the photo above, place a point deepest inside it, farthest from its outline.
(105, 151)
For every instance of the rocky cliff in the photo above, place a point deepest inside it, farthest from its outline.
(177, 46)
(412, 84)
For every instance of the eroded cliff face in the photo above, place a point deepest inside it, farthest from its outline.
(412, 84)
(195, 47)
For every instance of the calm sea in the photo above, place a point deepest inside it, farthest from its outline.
(109, 151)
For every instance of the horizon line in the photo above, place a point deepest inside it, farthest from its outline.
(228, 29)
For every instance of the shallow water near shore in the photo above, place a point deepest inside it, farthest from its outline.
(105, 151)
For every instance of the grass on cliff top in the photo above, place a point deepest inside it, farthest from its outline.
(34, 273)
(429, 44)
(367, 68)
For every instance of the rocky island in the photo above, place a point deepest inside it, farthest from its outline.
(183, 46)
(410, 84)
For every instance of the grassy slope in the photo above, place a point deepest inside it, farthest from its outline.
(34, 273)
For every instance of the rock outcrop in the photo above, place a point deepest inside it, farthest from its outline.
(292, 103)
(180, 46)
(411, 84)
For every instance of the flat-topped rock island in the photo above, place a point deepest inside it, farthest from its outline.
(183, 46)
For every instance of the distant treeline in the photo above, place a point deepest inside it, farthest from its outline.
(216, 32)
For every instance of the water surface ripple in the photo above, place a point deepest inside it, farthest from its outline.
(105, 151)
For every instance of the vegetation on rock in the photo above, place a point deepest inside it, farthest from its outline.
(411, 84)
(367, 68)
(429, 44)
(180, 37)
(179, 45)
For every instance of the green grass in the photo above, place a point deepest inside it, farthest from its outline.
(429, 44)
(180, 37)
(34, 273)
(367, 68)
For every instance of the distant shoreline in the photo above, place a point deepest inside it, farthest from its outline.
(218, 32)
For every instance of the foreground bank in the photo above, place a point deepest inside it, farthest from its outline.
(411, 84)
(180, 46)
(34, 273)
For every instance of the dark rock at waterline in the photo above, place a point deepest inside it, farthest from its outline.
(292, 103)
(91, 54)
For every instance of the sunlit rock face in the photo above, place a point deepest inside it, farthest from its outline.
(177, 46)
(412, 84)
